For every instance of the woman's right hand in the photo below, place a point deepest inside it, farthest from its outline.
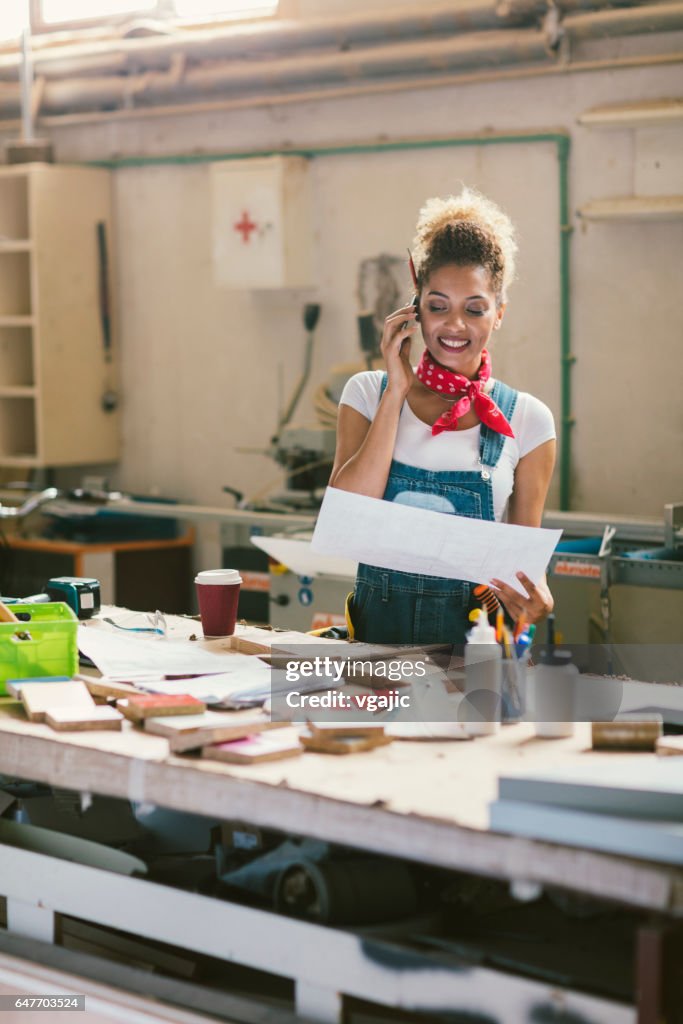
(399, 328)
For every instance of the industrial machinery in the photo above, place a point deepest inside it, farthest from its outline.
(306, 450)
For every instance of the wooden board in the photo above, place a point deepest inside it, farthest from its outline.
(342, 744)
(259, 640)
(155, 705)
(656, 840)
(105, 1003)
(648, 789)
(77, 719)
(109, 688)
(189, 732)
(670, 746)
(256, 749)
(626, 734)
(333, 730)
(38, 698)
(14, 686)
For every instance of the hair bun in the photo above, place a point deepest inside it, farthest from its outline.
(469, 207)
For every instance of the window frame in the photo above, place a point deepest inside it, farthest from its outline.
(163, 10)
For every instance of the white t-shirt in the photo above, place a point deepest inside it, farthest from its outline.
(532, 423)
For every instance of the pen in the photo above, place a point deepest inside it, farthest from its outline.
(500, 625)
(520, 627)
(524, 641)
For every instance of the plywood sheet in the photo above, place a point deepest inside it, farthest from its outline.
(39, 698)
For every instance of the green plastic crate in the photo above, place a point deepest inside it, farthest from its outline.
(52, 649)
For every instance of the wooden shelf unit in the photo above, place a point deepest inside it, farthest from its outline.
(54, 368)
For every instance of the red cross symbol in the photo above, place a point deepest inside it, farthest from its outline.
(245, 226)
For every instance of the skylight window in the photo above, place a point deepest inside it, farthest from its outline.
(222, 9)
(13, 19)
(55, 15)
(54, 11)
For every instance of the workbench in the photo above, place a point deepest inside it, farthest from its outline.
(423, 801)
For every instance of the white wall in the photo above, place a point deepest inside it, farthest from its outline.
(187, 346)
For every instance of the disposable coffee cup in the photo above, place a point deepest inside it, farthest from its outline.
(218, 592)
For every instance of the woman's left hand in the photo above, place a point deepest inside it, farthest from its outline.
(535, 606)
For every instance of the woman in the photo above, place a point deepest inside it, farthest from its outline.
(445, 435)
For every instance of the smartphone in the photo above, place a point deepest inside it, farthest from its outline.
(416, 303)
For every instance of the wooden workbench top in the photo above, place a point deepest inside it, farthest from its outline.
(425, 801)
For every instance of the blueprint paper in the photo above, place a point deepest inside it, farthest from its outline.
(238, 681)
(298, 556)
(417, 540)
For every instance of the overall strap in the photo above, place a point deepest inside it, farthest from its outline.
(491, 442)
(385, 381)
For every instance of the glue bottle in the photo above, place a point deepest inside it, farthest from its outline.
(483, 679)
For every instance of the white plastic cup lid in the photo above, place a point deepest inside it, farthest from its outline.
(218, 577)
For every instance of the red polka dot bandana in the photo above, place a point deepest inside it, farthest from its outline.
(446, 383)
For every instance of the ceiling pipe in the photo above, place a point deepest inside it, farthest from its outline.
(492, 49)
(633, 21)
(350, 90)
(266, 39)
(473, 50)
(525, 9)
(181, 81)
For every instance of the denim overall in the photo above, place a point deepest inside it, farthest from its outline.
(399, 607)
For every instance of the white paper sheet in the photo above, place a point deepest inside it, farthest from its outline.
(247, 683)
(395, 536)
(298, 556)
(129, 656)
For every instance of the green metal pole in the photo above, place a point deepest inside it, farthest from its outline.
(560, 140)
(567, 359)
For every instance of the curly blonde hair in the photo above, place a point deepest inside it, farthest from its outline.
(467, 230)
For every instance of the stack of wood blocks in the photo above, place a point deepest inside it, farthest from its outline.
(64, 705)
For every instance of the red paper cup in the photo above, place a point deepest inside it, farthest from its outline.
(218, 592)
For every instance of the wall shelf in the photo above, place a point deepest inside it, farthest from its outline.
(15, 245)
(14, 211)
(648, 113)
(55, 254)
(29, 461)
(17, 321)
(18, 435)
(19, 391)
(634, 208)
(15, 283)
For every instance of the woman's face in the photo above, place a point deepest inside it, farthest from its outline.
(458, 314)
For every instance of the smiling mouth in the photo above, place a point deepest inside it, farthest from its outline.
(453, 344)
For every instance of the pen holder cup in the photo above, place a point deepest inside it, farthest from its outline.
(513, 690)
(42, 645)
